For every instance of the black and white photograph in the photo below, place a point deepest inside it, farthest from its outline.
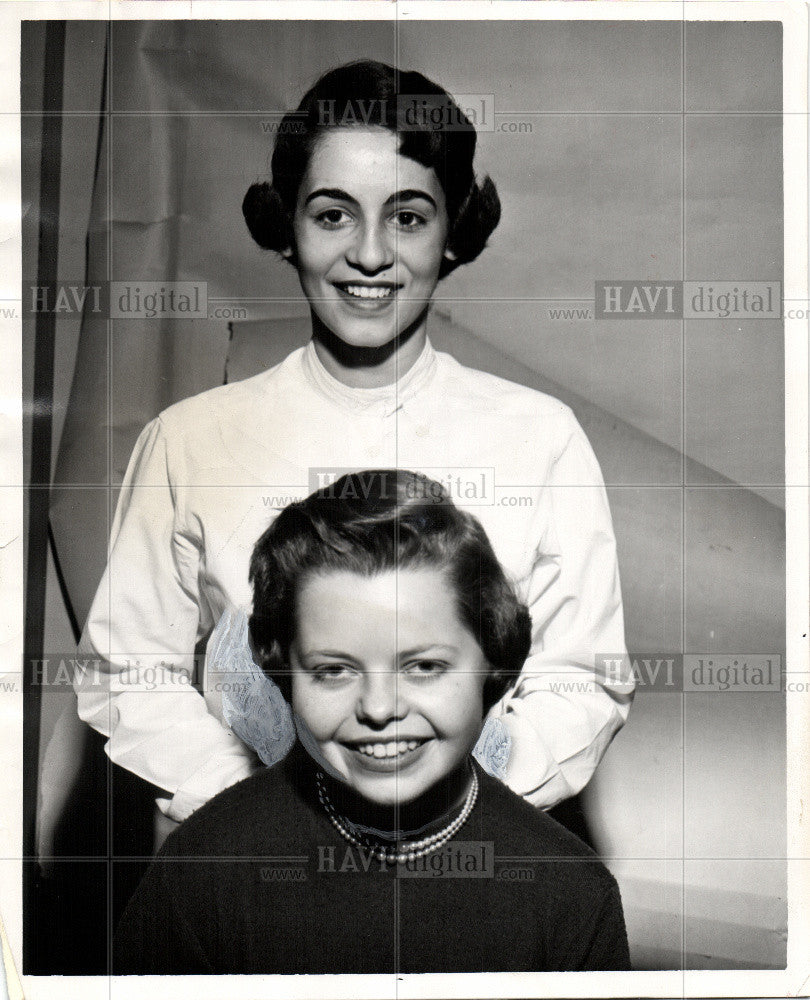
(405, 557)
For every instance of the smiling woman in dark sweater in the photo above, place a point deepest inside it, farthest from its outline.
(378, 845)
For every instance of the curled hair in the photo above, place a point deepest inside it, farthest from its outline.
(374, 521)
(368, 93)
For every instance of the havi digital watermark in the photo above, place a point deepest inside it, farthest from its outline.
(644, 299)
(752, 673)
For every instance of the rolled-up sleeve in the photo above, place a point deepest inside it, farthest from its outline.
(565, 709)
(138, 643)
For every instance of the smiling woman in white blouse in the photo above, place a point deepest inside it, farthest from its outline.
(373, 210)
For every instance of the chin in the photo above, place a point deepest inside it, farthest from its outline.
(391, 793)
(373, 339)
(391, 800)
(369, 332)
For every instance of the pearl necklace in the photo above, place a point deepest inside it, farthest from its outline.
(410, 850)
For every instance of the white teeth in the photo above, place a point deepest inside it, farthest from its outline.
(365, 292)
(380, 750)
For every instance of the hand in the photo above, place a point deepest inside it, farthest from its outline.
(163, 826)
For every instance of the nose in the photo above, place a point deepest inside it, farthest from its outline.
(381, 700)
(371, 251)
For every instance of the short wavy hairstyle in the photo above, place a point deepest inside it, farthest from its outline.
(433, 131)
(378, 520)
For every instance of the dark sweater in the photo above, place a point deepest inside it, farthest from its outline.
(258, 881)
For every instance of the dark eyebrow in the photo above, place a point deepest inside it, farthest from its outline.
(338, 194)
(421, 650)
(409, 194)
(333, 654)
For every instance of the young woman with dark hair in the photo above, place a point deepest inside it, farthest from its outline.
(378, 845)
(473, 210)
(372, 205)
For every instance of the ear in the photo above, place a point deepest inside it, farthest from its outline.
(287, 253)
(450, 254)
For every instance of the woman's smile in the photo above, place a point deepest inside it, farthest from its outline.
(394, 755)
(396, 747)
(368, 297)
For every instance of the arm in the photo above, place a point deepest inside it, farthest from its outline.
(562, 713)
(139, 640)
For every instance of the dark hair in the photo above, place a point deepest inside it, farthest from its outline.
(369, 522)
(371, 93)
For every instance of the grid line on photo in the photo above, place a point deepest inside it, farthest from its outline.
(109, 139)
(683, 500)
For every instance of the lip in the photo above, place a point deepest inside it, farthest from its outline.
(387, 765)
(369, 304)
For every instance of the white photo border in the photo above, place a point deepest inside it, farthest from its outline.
(795, 979)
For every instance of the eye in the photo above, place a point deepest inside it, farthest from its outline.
(425, 668)
(332, 218)
(332, 673)
(406, 218)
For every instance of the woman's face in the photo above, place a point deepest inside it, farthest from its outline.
(370, 232)
(387, 679)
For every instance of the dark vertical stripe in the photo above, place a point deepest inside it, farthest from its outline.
(67, 598)
(41, 430)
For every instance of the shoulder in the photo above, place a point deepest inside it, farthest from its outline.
(525, 825)
(235, 401)
(242, 820)
(520, 830)
(476, 389)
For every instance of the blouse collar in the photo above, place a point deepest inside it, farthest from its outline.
(395, 394)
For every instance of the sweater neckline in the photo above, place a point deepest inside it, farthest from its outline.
(391, 397)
